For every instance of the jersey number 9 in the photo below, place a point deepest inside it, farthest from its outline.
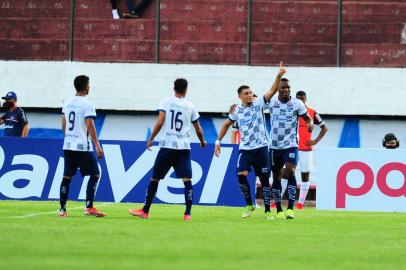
(71, 120)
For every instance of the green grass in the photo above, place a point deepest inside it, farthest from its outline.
(217, 238)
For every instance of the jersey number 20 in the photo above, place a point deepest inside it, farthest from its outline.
(175, 121)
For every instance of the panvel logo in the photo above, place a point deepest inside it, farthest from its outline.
(38, 175)
(344, 189)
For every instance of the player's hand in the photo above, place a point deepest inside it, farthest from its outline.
(310, 143)
(310, 127)
(217, 148)
(149, 145)
(99, 151)
(282, 69)
(232, 109)
(203, 144)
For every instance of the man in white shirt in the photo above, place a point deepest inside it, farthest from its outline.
(176, 116)
(253, 148)
(78, 114)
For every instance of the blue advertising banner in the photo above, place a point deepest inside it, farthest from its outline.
(32, 169)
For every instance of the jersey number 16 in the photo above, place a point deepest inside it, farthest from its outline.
(175, 121)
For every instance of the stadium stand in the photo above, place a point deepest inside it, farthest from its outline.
(302, 33)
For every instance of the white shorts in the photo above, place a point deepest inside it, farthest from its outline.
(305, 161)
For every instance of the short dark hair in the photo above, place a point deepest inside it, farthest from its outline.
(81, 82)
(300, 94)
(242, 87)
(180, 85)
(284, 80)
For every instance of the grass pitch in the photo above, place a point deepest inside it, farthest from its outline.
(33, 237)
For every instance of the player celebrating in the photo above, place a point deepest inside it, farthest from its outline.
(284, 111)
(175, 114)
(78, 114)
(253, 148)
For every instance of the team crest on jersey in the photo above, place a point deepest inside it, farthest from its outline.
(292, 155)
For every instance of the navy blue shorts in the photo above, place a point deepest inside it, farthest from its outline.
(258, 158)
(84, 160)
(178, 159)
(281, 156)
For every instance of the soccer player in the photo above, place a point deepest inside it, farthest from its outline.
(253, 148)
(306, 144)
(176, 115)
(235, 132)
(78, 114)
(284, 111)
(16, 123)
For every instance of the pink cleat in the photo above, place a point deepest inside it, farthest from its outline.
(93, 212)
(187, 217)
(299, 206)
(63, 213)
(138, 213)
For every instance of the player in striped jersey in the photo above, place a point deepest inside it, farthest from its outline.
(253, 148)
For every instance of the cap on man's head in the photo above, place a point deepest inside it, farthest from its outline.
(389, 137)
(10, 95)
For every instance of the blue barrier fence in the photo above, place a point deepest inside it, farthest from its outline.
(32, 169)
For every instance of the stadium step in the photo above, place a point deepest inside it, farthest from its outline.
(295, 11)
(267, 53)
(202, 10)
(34, 28)
(34, 49)
(376, 55)
(294, 32)
(34, 9)
(203, 31)
(374, 11)
(372, 33)
(140, 29)
(114, 50)
(202, 52)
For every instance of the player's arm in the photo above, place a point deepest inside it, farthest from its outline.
(93, 135)
(274, 88)
(309, 121)
(23, 120)
(63, 120)
(199, 133)
(26, 129)
(323, 130)
(2, 120)
(158, 125)
(223, 131)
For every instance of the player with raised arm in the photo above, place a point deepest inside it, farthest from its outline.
(253, 148)
(285, 111)
(176, 115)
(78, 114)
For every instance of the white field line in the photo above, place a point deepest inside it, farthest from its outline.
(52, 212)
